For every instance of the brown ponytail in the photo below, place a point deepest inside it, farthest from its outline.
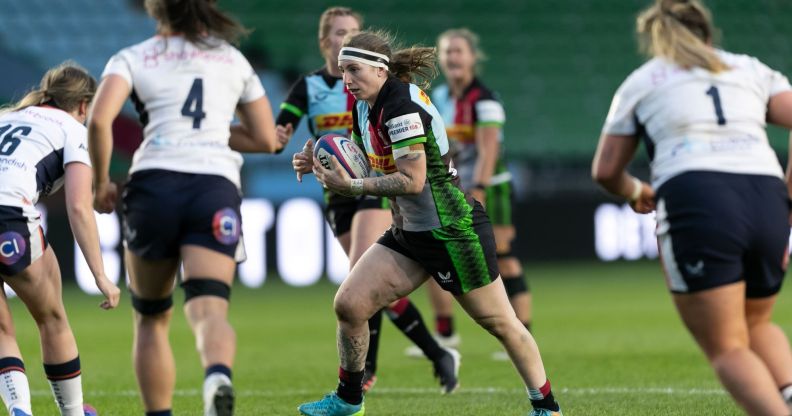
(681, 31)
(196, 20)
(415, 64)
(64, 86)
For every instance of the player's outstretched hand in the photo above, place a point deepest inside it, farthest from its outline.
(283, 134)
(302, 162)
(105, 196)
(110, 291)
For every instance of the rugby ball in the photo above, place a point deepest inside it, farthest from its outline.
(349, 155)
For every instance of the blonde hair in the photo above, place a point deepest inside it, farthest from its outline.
(680, 31)
(326, 21)
(196, 19)
(65, 86)
(472, 40)
(415, 64)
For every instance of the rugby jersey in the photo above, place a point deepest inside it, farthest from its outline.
(478, 106)
(36, 144)
(403, 115)
(325, 102)
(186, 96)
(692, 119)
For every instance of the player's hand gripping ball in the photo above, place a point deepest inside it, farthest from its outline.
(348, 154)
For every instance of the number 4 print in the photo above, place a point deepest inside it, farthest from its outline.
(193, 106)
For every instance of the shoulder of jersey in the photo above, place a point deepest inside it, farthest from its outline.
(645, 76)
(740, 61)
(487, 93)
(53, 115)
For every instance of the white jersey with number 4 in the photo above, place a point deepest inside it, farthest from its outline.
(696, 120)
(186, 96)
(36, 144)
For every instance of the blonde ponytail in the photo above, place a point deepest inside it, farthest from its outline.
(64, 86)
(680, 31)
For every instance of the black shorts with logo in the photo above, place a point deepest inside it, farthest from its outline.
(164, 210)
(339, 210)
(460, 257)
(22, 241)
(717, 228)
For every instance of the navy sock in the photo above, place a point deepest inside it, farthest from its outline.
(374, 323)
(65, 371)
(542, 398)
(218, 368)
(350, 386)
(166, 412)
(407, 318)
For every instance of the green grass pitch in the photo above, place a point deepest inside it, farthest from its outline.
(610, 338)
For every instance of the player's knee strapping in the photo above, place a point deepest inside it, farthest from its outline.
(515, 286)
(151, 306)
(205, 287)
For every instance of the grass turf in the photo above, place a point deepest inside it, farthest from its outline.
(610, 338)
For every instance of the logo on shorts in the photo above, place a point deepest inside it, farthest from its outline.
(12, 247)
(695, 269)
(444, 278)
(225, 226)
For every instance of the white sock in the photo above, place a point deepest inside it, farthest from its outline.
(210, 385)
(15, 391)
(787, 393)
(68, 396)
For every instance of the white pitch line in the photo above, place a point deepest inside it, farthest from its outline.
(387, 391)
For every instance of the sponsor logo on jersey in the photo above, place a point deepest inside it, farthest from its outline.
(383, 164)
(405, 127)
(225, 226)
(461, 133)
(425, 98)
(12, 247)
(337, 121)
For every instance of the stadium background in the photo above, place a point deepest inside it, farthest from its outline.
(555, 64)
(610, 337)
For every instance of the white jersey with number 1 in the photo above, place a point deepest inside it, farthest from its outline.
(695, 120)
(186, 96)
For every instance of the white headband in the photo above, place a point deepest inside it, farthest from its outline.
(364, 56)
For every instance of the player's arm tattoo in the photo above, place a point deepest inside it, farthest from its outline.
(352, 351)
(409, 179)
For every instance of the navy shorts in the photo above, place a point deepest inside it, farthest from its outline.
(164, 210)
(22, 241)
(460, 257)
(714, 229)
(340, 210)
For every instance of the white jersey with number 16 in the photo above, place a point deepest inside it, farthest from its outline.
(186, 95)
(696, 120)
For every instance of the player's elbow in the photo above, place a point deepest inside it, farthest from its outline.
(79, 210)
(267, 140)
(603, 175)
(415, 186)
(413, 190)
